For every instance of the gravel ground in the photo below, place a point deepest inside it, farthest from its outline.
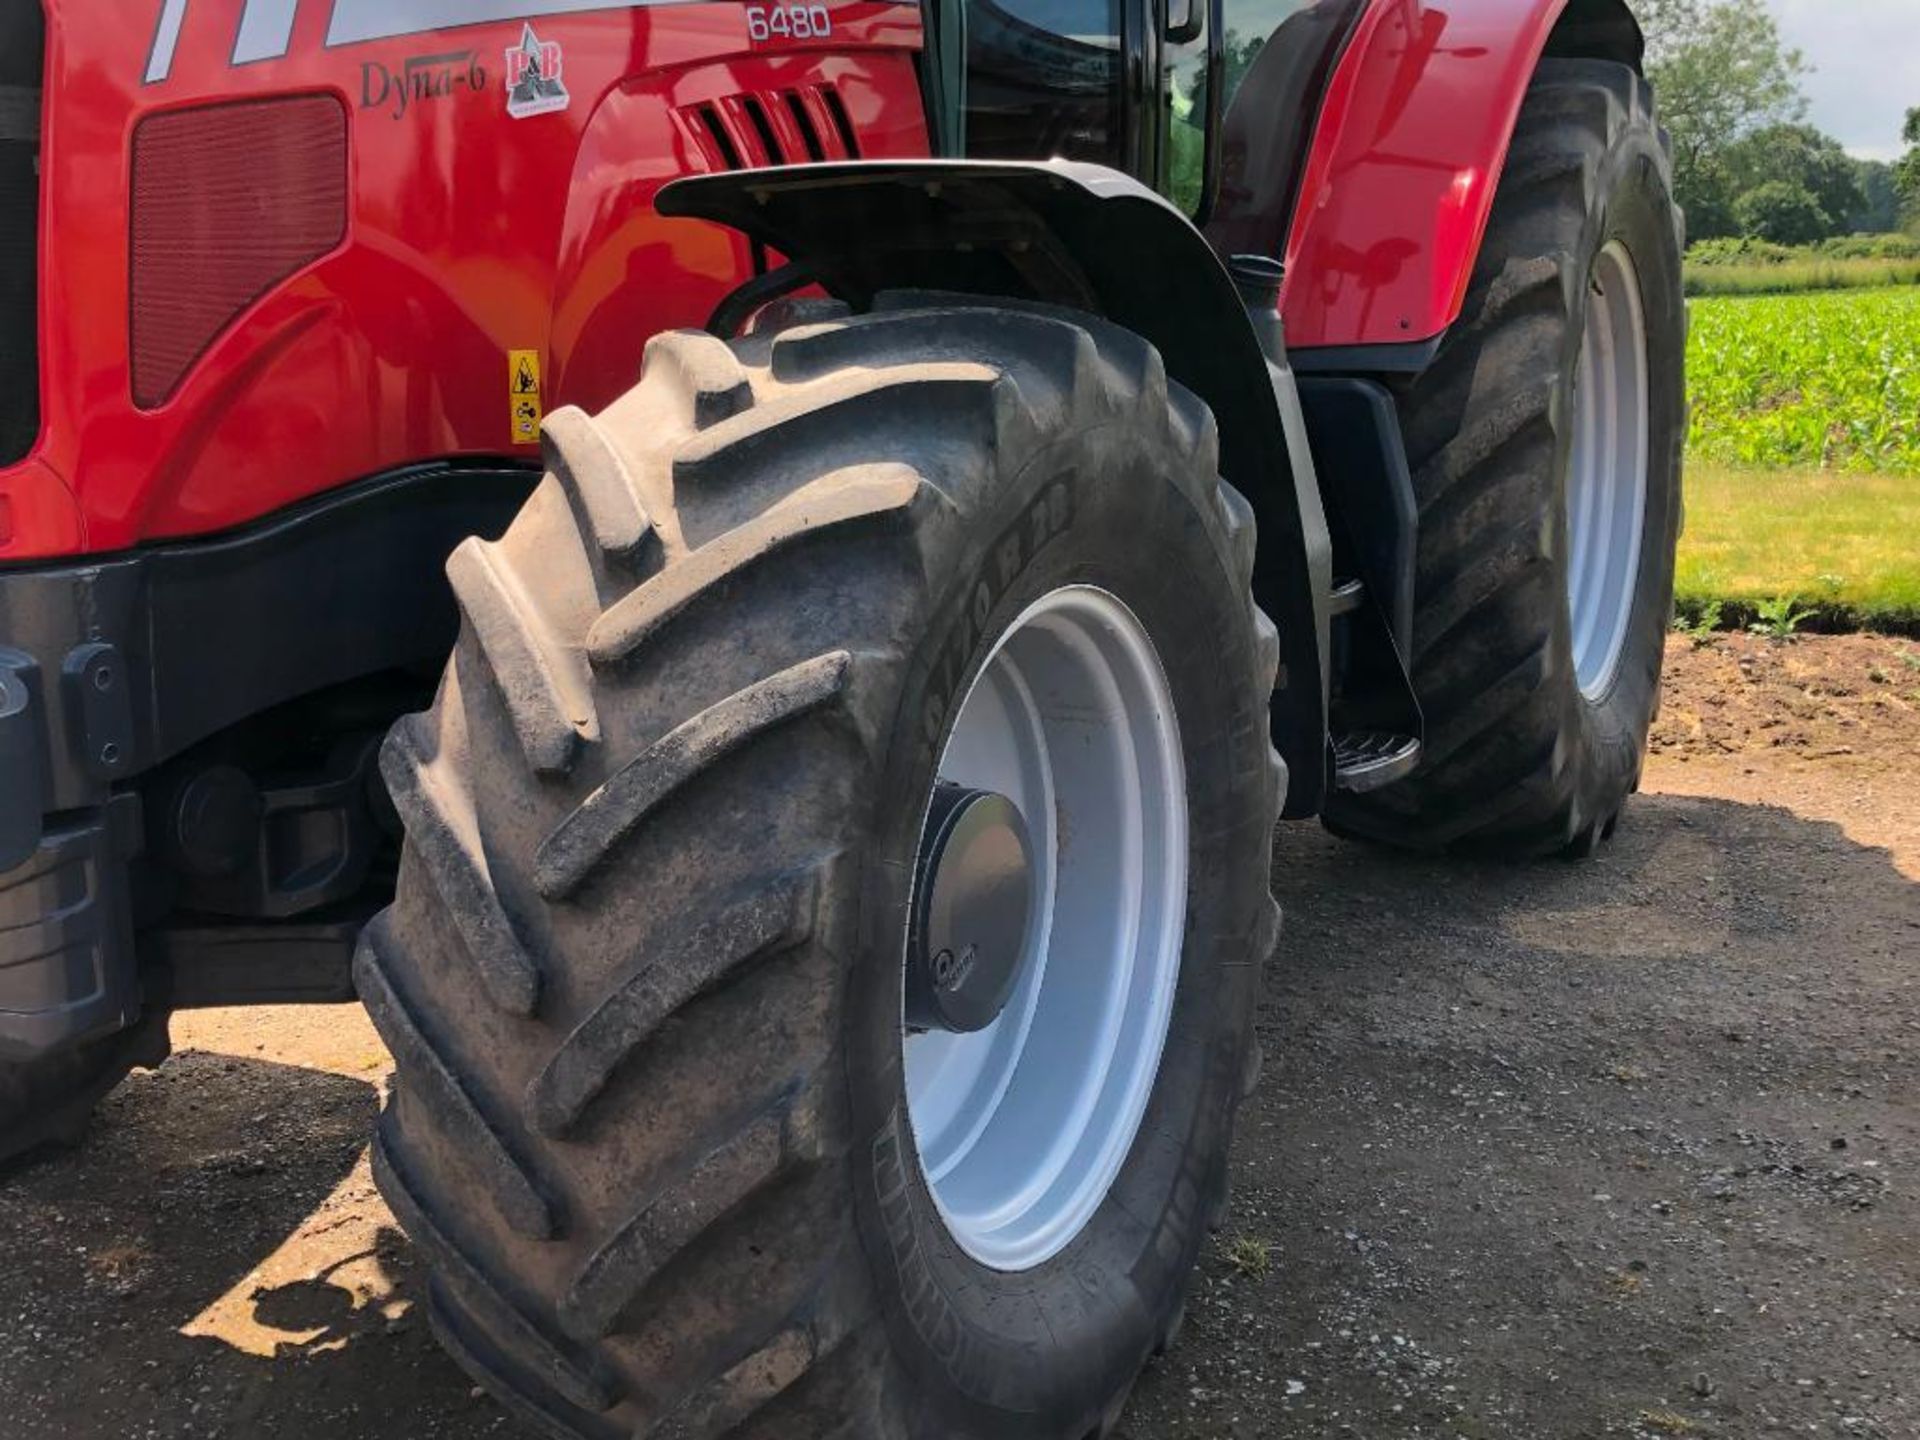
(1622, 1148)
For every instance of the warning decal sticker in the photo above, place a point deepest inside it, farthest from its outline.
(523, 395)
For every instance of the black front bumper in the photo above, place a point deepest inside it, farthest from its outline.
(66, 935)
(109, 668)
(66, 733)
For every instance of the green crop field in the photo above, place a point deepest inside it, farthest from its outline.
(1803, 469)
(1826, 381)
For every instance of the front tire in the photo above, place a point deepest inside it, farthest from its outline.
(643, 979)
(1545, 441)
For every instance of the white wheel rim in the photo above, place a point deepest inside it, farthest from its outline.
(1607, 472)
(1022, 1127)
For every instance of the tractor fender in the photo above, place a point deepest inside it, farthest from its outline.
(1400, 176)
(1095, 240)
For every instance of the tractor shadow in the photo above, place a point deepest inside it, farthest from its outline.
(1563, 1150)
(1541, 1151)
(214, 1259)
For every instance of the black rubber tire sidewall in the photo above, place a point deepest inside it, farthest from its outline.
(982, 1358)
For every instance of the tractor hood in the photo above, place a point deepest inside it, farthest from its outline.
(289, 246)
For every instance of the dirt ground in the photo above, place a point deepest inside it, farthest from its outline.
(1627, 1148)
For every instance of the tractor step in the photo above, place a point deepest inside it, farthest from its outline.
(1368, 759)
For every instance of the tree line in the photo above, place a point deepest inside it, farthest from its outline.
(1745, 160)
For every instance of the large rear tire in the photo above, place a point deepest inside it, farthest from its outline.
(653, 1129)
(1545, 441)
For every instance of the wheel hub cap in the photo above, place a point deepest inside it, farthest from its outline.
(973, 910)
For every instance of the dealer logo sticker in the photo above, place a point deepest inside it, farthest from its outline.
(533, 77)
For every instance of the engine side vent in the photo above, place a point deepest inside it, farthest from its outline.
(22, 42)
(771, 150)
(836, 108)
(778, 127)
(228, 201)
(803, 122)
(711, 135)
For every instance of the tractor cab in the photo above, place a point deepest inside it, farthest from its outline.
(1211, 102)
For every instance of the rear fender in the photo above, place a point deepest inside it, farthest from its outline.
(1400, 179)
(1091, 239)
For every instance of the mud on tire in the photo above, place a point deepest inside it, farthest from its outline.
(642, 979)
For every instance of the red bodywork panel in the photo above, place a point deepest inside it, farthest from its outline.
(1399, 184)
(469, 234)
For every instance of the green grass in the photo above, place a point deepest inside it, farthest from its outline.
(1800, 276)
(1755, 267)
(1845, 545)
(1828, 381)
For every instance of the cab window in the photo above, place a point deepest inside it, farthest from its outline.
(1044, 79)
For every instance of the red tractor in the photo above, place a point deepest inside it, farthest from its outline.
(924, 488)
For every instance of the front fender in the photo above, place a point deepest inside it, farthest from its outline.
(1408, 152)
(1091, 239)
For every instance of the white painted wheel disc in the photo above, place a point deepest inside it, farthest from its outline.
(1607, 471)
(1023, 1127)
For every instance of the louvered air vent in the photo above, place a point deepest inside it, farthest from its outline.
(772, 127)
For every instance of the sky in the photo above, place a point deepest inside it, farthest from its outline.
(1866, 59)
